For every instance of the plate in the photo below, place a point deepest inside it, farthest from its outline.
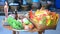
(19, 30)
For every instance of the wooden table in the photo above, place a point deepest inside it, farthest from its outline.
(24, 7)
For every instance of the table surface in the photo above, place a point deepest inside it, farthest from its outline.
(24, 5)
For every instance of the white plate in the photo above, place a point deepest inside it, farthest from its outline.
(19, 30)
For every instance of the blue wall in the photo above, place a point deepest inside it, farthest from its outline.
(57, 3)
(2, 2)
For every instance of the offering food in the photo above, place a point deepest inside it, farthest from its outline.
(19, 24)
(14, 23)
(40, 18)
(43, 17)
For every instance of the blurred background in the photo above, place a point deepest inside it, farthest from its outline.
(22, 6)
(26, 5)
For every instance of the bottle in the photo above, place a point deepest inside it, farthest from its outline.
(6, 9)
(16, 15)
(31, 14)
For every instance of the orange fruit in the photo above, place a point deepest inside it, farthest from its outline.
(30, 26)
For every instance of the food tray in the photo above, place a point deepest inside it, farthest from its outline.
(44, 27)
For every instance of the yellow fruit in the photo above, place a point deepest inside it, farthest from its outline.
(37, 11)
(34, 19)
(57, 17)
(48, 17)
(49, 21)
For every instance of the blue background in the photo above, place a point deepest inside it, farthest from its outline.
(57, 3)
